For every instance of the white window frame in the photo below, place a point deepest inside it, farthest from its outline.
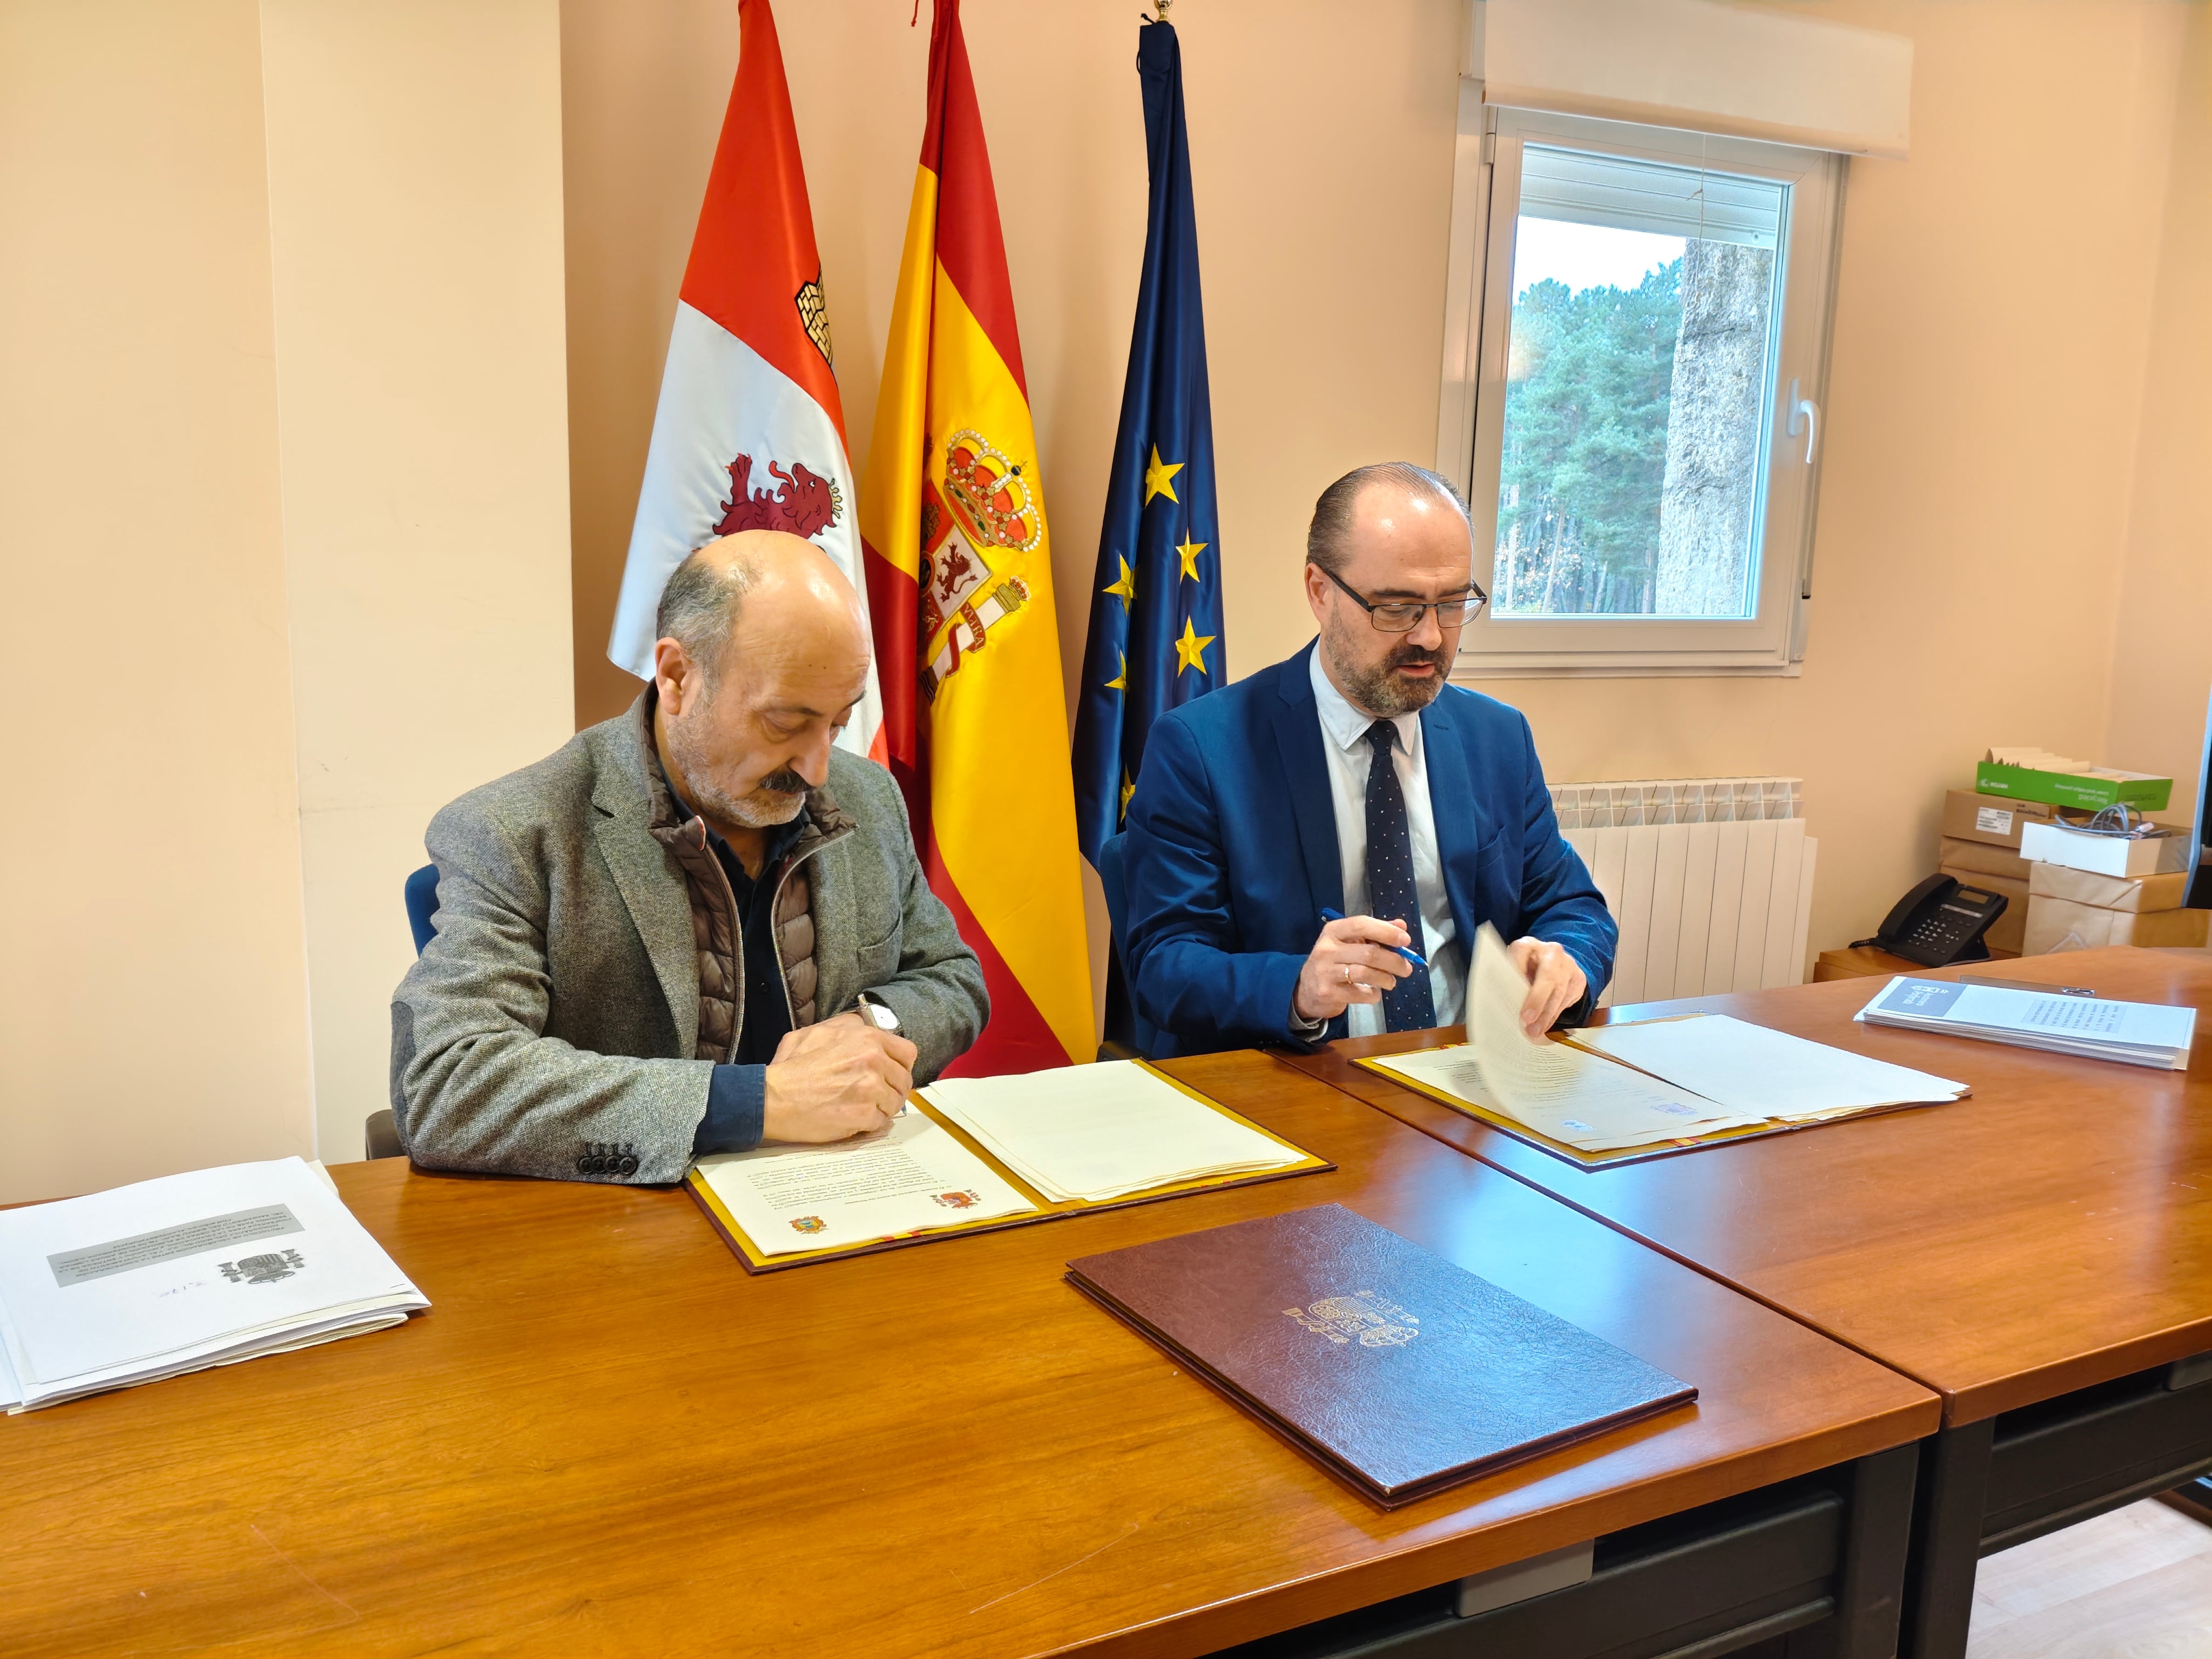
(1485, 200)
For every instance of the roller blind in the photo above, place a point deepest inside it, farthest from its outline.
(1742, 70)
(1588, 189)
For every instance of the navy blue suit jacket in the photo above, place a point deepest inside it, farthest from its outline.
(1232, 856)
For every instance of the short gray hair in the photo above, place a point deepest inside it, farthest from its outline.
(1329, 538)
(699, 608)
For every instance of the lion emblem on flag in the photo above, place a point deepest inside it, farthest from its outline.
(803, 502)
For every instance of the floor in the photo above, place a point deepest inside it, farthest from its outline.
(2133, 1584)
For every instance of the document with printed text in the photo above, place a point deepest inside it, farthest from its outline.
(166, 1276)
(915, 1175)
(1100, 1132)
(1592, 1104)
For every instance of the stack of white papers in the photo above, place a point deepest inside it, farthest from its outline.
(1104, 1131)
(2097, 1028)
(168, 1276)
(1751, 1069)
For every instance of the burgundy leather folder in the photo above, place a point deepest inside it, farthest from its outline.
(1398, 1372)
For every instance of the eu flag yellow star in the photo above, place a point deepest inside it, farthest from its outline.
(1127, 587)
(1128, 790)
(1190, 649)
(1190, 550)
(1156, 476)
(1120, 681)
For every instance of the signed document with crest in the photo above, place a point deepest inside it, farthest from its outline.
(167, 1276)
(913, 1176)
(1398, 1372)
(978, 1153)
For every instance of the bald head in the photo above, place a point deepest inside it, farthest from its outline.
(763, 656)
(762, 583)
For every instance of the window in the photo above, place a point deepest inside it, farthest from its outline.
(1632, 397)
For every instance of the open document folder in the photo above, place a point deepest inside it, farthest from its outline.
(1656, 1082)
(167, 1276)
(976, 1152)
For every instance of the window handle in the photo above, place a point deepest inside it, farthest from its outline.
(1804, 416)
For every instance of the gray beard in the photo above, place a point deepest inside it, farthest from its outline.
(1377, 690)
(763, 809)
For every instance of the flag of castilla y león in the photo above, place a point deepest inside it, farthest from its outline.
(750, 433)
(959, 568)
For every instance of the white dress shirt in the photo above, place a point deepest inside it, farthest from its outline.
(1344, 741)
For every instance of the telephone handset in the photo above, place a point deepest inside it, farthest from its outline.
(1940, 922)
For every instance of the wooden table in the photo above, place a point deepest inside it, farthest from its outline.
(607, 1438)
(2036, 1254)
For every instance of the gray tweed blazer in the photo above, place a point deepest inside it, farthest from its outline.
(546, 1029)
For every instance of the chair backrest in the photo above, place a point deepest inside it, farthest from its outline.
(1122, 1023)
(422, 904)
(1113, 878)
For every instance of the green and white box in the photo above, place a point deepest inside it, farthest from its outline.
(2037, 775)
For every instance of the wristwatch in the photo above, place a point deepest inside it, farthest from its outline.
(876, 1011)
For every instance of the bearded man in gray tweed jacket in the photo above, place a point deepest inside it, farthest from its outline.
(656, 942)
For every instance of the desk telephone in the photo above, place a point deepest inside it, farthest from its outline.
(1940, 922)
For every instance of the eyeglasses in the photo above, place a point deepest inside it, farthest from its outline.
(1404, 616)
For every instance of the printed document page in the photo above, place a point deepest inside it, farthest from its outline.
(913, 1176)
(1751, 1068)
(165, 1276)
(1591, 1104)
(2093, 1020)
(1102, 1130)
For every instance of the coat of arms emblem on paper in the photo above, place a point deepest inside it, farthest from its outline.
(262, 1269)
(958, 1200)
(1365, 1318)
(809, 1224)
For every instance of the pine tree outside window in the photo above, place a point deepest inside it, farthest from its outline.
(1645, 322)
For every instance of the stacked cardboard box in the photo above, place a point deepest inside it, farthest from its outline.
(2071, 909)
(1981, 848)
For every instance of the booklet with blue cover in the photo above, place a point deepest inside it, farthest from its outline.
(2097, 1028)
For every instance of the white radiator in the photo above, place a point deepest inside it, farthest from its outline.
(1704, 907)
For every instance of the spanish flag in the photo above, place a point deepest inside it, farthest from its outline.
(959, 567)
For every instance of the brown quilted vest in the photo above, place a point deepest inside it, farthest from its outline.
(714, 930)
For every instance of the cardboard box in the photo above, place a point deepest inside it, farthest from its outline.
(2108, 855)
(2037, 775)
(1991, 819)
(2007, 931)
(1988, 859)
(2057, 924)
(2136, 893)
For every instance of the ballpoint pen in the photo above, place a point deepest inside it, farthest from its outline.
(1338, 915)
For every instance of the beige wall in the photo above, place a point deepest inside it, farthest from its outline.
(415, 182)
(283, 536)
(1994, 319)
(153, 989)
(2162, 651)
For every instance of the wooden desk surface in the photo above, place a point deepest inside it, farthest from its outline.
(2051, 1231)
(605, 1437)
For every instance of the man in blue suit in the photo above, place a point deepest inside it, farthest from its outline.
(1353, 778)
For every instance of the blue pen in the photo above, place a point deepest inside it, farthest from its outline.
(1338, 915)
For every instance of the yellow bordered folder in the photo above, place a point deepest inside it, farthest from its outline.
(776, 1187)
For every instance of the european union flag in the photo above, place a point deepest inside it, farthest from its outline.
(1156, 632)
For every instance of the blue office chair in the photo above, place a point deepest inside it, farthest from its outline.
(422, 904)
(381, 1134)
(1128, 1038)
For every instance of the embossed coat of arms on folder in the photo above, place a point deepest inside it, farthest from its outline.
(1396, 1371)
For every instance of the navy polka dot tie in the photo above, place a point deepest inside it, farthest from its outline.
(1390, 896)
